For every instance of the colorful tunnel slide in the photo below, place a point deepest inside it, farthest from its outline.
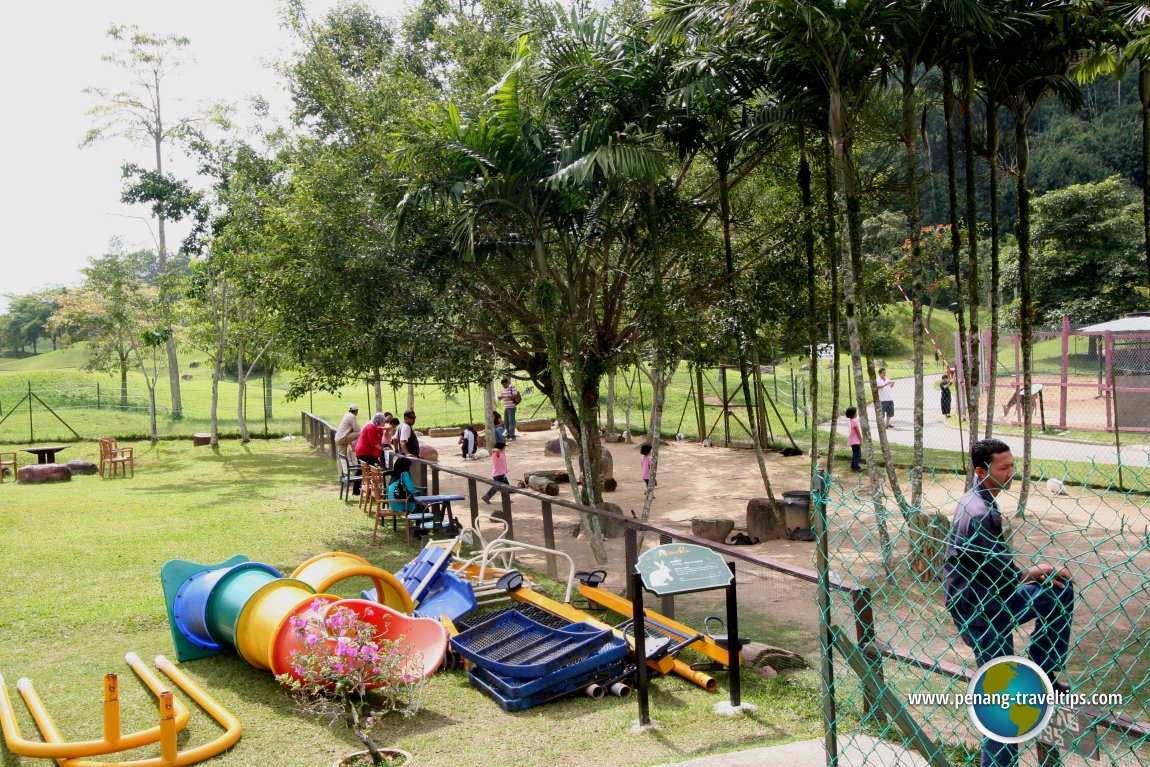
(248, 606)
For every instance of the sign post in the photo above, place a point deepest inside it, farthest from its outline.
(684, 568)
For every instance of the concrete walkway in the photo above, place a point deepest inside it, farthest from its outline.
(860, 750)
(943, 434)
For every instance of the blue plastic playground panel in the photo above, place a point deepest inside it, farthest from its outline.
(486, 681)
(606, 655)
(448, 595)
(514, 645)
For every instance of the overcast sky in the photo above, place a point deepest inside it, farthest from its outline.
(59, 204)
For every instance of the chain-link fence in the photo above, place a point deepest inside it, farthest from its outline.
(905, 675)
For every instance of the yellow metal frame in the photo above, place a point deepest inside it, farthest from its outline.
(173, 716)
(705, 646)
(112, 741)
(664, 665)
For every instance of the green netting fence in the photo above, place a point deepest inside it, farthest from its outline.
(897, 674)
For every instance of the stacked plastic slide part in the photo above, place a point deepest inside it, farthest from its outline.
(435, 590)
(522, 663)
(248, 607)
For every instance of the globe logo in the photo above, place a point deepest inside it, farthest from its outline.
(1010, 699)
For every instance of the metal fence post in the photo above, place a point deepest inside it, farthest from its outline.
(549, 539)
(631, 556)
(667, 603)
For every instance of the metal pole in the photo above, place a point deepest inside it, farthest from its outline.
(31, 433)
(97, 395)
(823, 599)
(640, 650)
(1065, 372)
(733, 647)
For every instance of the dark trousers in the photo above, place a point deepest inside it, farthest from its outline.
(371, 460)
(856, 457)
(493, 489)
(1052, 610)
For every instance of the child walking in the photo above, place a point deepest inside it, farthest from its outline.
(498, 469)
(645, 461)
(854, 438)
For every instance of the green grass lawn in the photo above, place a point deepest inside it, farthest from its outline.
(81, 582)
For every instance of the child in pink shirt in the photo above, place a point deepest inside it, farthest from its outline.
(645, 461)
(498, 469)
(854, 438)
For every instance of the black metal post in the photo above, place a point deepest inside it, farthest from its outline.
(505, 497)
(733, 648)
(434, 479)
(549, 539)
(473, 501)
(635, 584)
(630, 557)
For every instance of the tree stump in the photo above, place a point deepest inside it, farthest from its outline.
(928, 544)
(36, 473)
(80, 466)
(611, 527)
(712, 528)
(542, 484)
(555, 475)
(764, 522)
(759, 655)
(199, 440)
(551, 447)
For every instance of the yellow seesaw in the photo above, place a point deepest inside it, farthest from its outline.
(173, 717)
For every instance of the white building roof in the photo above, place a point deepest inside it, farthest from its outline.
(1131, 324)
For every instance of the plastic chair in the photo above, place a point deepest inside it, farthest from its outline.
(116, 459)
(5, 462)
(348, 475)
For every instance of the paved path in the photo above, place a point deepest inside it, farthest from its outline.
(941, 434)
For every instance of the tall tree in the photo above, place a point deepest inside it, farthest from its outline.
(137, 113)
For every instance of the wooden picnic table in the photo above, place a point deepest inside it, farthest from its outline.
(45, 453)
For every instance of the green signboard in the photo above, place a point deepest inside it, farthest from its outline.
(679, 568)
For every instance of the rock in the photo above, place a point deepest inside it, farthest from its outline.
(194, 364)
(611, 528)
(613, 438)
(428, 452)
(758, 655)
(36, 473)
(763, 522)
(767, 671)
(555, 475)
(80, 466)
(533, 424)
(712, 528)
(542, 484)
(551, 447)
(480, 441)
(708, 443)
(186, 376)
(446, 431)
(608, 464)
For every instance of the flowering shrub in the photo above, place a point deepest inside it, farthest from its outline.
(346, 673)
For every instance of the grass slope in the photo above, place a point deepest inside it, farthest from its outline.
(81, 576)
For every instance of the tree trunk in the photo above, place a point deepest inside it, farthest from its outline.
(611, 402)
(804, 181)
(123, 355)
(1144, 98)
(1026, 308)
(162, 260)
(241, 395)
(378, 392)
(955, 235)
(910, 140)
(992, 143)
(218, 363)
(853, 291)
(411, 395)
(972, 383)
(723, 169)
(489, 413)
(833, 258)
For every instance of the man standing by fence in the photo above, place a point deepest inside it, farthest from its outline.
(347, 433)
(988, 596)
(511, 399)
